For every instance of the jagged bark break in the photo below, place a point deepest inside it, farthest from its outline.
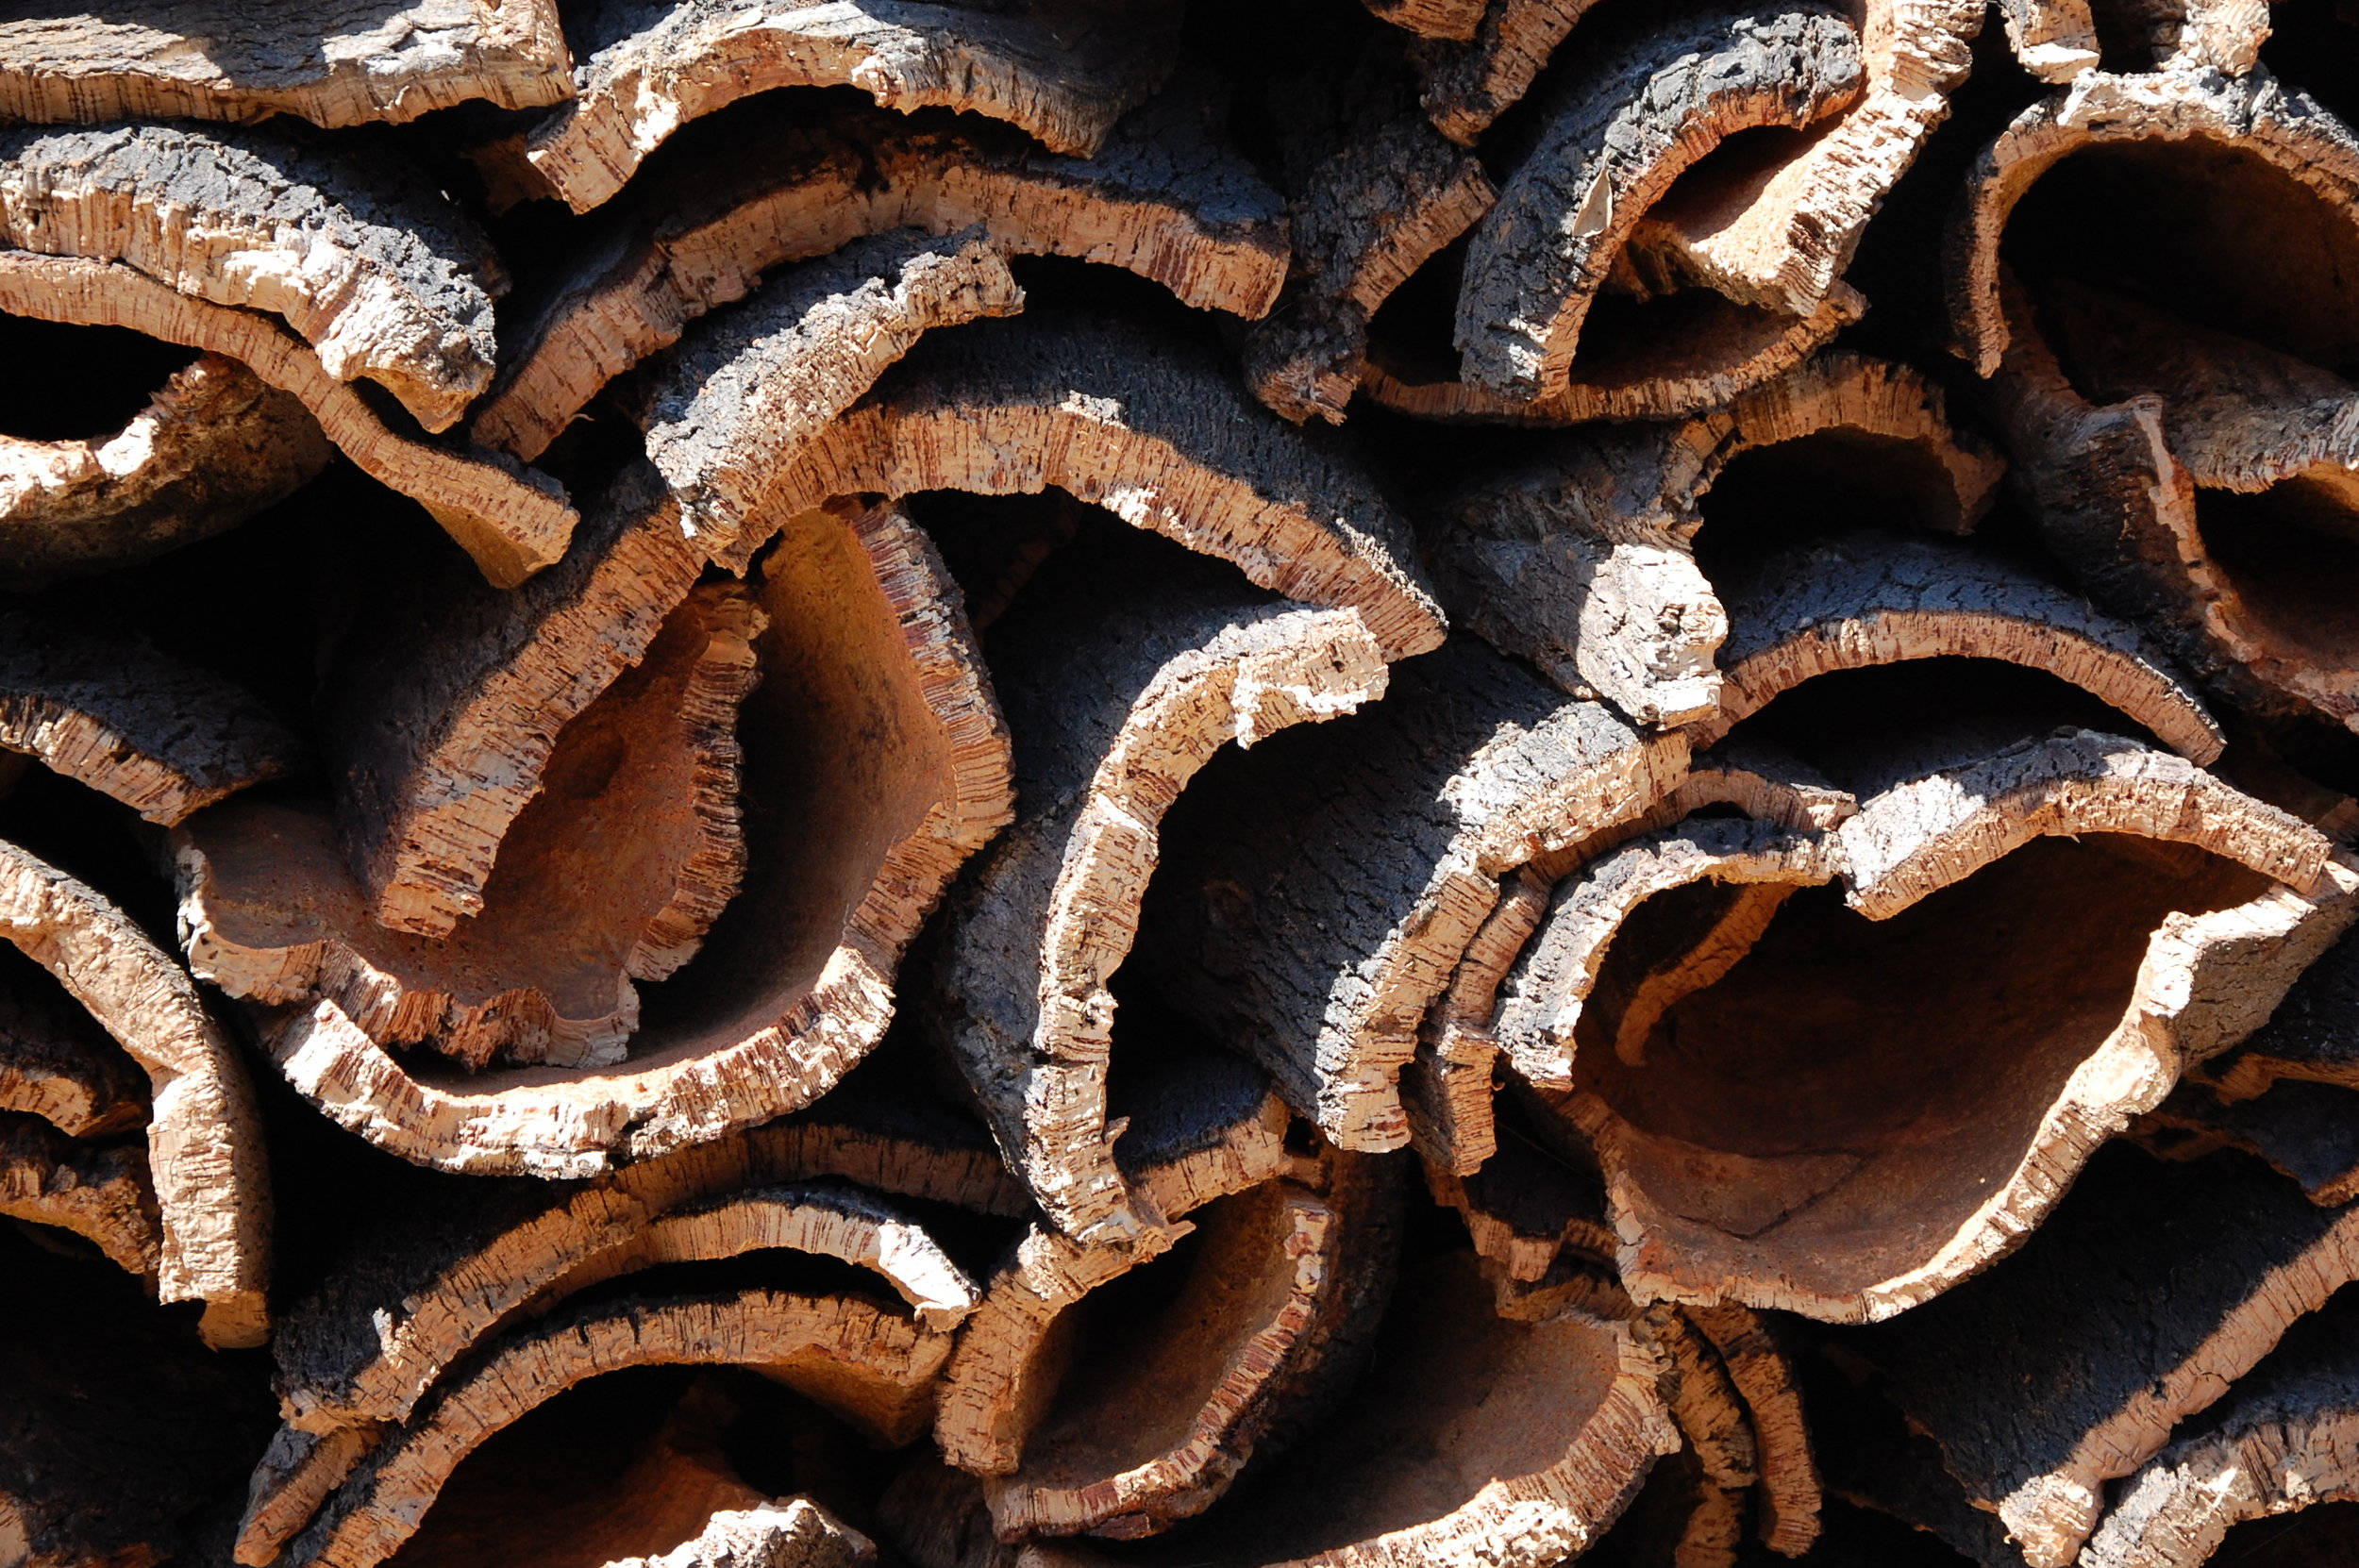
(1896, 1191)
(1062, 72)
(870, 1366)
(1155, 431)
(372, 266)
(204, 1151)
(213, 446)
(511, 520)
(1871, 599)
(106, 708)
(612, 874)
(1282, 926)
(1117, 689)
(1471, 82)
(1165, 198)
(1613, 143)
(752, 387)
(875, 764)
(2028, 1379)
(222, 60)
(56, 1063)
(99, 1191)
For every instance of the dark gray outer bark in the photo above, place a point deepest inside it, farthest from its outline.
(2143, 1263)
(2313, 1034)
(57, 1061)
(2306, 1131)
(1185, 1097)
(1609, 140)
(1469, 85)
(403, 298)
(103, 706)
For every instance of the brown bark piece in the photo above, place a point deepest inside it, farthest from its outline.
(1897, 1192)
(1120, 677)
(1155, 430)
(2058, 40)
(1450, 19)
(847, 848)
(1445, 1087)
(98, 1191)
(2144, 1298)
(1872, 599)
(1282, 925)
(1759, 1365)
(108, 709)
(2053, 40)
(2307, 1132)
(205, 1153)
(56, 1063)
(875, 1369)
(798, 1533)
(511, 520)
(226, 61)
(377, 270)
(1060, 71)
(1470, 82)
(613, 874)
(1528, 1207)
(750, 389)
(1615, 140)
(213, 446)
(1165, 198)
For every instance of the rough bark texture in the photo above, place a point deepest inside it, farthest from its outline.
(99, 1191)
(1060, 70)
(1471, 82)
(331, 63)
(2301, 1129)
(57, 1063)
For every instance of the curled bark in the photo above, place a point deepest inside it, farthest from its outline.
(56, 1063)
(99, 1191)
(2302, 1130)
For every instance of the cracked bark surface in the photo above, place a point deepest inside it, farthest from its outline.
(99, 1191)
(57, 1063)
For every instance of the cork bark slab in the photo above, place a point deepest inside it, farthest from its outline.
(872, 1367)
(98, 1191)
(1761, 1369)
(1120, 678)
(108, 709)
(57, 1063)
(798, 1533)
(2143, 1299)
(750, 389)
(1452, 19)
(2058, 40)
(848, 847)
(1154, 430)
(2305, 1132)
(204, 1153)
(213, 446)
(1880, 1186)
(1613, 142)
(1317, 895)
(331, 64)
(2309, 1038)
(368, 264)
(613, 874)
(1468, 83)
(2280, 1441)
(513, 521)
(1446, 1089)
(1060, 71)
(1165, 198)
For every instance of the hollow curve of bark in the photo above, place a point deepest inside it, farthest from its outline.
(1164, 198)
(98, 1191)
(219, 62)
(849, 848)
(212, 447)
(57, 1063)
(511, 520)
(1835, 1224)
(1615, 142)
(383, 276)
(1062, 73)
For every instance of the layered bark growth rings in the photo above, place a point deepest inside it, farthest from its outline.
(1062, 72)
(1613, 145)
(220, 61)
(513, 521)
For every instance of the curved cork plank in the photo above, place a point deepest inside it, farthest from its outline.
(2309, 1038)
(213, 446)
(377, 270)
(1691, 1512)
(1526, 1207)
(1613, 142)
(613, 874)
(1759, 1364)
(511, 520)
(1317, 894)
(1153, 429)
(750, 389)
(2048, 1397)
(849, 848)
(56, 1063)
(1872, 599)
(795, 1533)
(2058, 40)
(205, 1153)
(2154, 958)
(222, 60)
(106, 708)
(2053, 40)
(1164, 198)
(1119, 679)
(1468, 83)
(2280, 1441)
(2305, 1132)
(875, 1369)
(1452, 19)
(1158, 1415)
(1062, 72)
(1446, 1089)
(99, 1191)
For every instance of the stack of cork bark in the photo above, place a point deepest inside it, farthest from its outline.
(1178, 783)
